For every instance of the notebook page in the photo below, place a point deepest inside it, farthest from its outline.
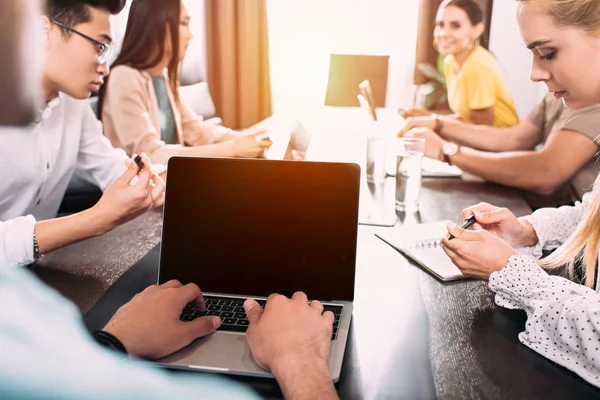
(422, 244)
(436, 168)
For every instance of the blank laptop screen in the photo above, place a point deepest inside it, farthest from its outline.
(256, 227)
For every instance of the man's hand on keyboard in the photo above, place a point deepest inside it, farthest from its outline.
(292, 339)
(288, 329)
(149, 325)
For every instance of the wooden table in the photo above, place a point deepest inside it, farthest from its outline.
(412, 337)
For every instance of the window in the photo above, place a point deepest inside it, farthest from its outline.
(303, 34)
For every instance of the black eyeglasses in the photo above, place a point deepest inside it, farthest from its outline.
(106, 50)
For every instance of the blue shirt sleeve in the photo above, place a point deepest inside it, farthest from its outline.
(48, 354)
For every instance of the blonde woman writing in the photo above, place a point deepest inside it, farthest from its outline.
(563, 317)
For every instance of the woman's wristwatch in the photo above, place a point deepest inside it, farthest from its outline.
(448, 150)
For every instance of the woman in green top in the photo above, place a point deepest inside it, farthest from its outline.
(140, 105)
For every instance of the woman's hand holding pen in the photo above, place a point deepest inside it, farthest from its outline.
(124, 200)
(502, 223)
(476, 253)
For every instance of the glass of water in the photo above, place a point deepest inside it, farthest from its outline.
(409, 158)
(376, 156)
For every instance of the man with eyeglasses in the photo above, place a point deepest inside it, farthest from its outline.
(66, 141)
(45, 352)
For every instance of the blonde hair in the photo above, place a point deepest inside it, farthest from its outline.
(582, 14)
(584, 243)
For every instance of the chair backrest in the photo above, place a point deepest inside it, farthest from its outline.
(346, 72)
(198, 98)
(191, 70)
(194, 90)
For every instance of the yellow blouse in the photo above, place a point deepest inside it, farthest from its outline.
(479, 84)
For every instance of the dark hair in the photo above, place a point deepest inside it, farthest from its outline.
(73, 12)
(472, 9)
(144, 41)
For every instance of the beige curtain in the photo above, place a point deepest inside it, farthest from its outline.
(238, 60)
(425, 51)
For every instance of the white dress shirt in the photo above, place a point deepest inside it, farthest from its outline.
(37, 163)
(563, 318)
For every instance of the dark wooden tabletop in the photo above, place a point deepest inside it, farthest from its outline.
(412, 336)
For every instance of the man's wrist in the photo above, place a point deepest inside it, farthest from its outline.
(304, 378)
(97, 222)
(108, 340)
(291, 363)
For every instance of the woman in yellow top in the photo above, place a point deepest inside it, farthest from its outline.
(477, 90)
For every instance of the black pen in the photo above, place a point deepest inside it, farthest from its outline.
(468, 222)
(138, 161)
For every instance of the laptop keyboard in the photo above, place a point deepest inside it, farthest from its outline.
(233, 316)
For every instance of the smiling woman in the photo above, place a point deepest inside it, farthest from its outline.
(477, 89)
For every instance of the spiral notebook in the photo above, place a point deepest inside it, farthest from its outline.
(422, 244)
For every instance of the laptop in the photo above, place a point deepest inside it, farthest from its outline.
(248, 228)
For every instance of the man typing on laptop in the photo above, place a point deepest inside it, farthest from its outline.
(289, 337)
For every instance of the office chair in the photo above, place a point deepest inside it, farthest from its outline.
(347, 72)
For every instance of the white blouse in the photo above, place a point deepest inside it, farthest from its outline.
(563, 318)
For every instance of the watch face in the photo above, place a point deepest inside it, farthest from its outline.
(449, 148)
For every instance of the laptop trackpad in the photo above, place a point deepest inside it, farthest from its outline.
(222, 352)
